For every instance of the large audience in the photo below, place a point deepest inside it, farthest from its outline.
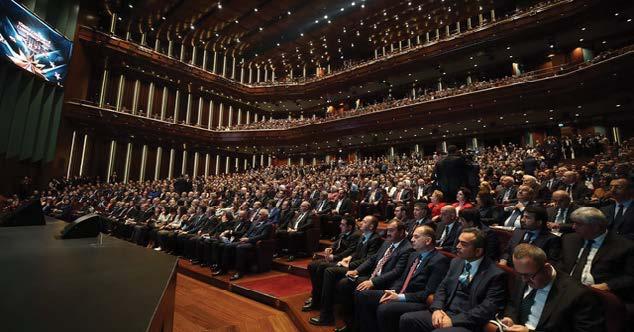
(565, 206)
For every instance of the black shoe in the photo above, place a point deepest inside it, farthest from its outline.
(290, 258)
(236, 276)
(218, 273)
(309, 307)
(321, 322)
(343, 329)
(309, 300)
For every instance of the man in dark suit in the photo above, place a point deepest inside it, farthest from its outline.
(451, 173)
(559, 214)
(379, 271)
(341, 207)
(257, 231)
(448, 229)
(368, 245)
(513, 214)
(508, 192)
(469, 218)
(401, 197)
(620, 215)
(577, 190)
(286, 214)
(323, 209)
(549, 181)
(422, 216)
(227, 241)
(344, 246)
(470, 295)
(533, 231)
(547, 300)
(380, 310)
(293, 237)
(597, 257)
(371, 201)
(422, 191)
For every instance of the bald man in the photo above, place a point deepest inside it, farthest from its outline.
(448, 229)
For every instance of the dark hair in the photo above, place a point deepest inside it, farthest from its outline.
(400, 226)
(466, 193)
(349, 220)
(424, 208)
(471, 215)
(539, 212)
(480, 238)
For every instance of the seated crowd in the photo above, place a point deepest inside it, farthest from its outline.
(556, 232)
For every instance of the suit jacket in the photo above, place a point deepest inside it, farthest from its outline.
(612, 264)
(626, 228)
(378, 196)
(274, 215)
(259, 231)
(305, 221)
(569, 307)
(512, 195)
(285, 218)
(393, 267)
(487, 293)
(412, 224)
(239, 228)
(549, 242)
(346, 206)
(566, 227)
(406, 195)
(425, 279)
(345, 245)
(449, 244)
(364, 250)
(326, 208)
(580, 193)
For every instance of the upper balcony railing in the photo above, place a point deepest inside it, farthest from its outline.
(406, 53)
(389, 106)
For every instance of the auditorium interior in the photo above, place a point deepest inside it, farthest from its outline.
(327, 165)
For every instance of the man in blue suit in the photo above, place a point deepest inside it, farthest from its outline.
(471, 294)
(238, 251)
(380, 310)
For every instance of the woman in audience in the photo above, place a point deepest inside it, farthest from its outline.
(486, 206)
(436, 204)
(463, 199)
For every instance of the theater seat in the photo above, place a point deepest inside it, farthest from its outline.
(312, 238)
(264, 250)
(615, 311)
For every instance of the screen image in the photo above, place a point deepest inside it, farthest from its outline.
(31, 44)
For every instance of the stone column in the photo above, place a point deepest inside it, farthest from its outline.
(157, 166)
(128, 160)
(120, 93)
(143, 163)
(135, 96)
(164, 103)
(111, 160)
(83, 155)
(104, 84)
(170, 169)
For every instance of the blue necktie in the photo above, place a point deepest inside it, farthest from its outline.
(466, 274)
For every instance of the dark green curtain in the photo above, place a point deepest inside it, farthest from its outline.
(30, 108)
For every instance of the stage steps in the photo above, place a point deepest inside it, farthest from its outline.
(285, 288)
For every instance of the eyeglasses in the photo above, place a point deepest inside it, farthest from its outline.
(530, 276)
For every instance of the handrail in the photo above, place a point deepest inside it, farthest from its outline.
(533, 76)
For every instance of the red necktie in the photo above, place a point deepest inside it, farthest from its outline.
(379, 265)
(410, 274)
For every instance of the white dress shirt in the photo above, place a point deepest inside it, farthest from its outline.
(586, 276)
(541, 295)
